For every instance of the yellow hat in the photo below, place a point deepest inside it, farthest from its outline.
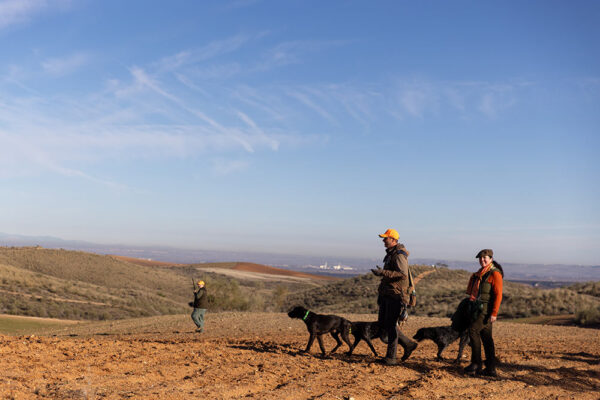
(390, 233)
(200, 283)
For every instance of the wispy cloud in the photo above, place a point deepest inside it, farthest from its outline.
(210, 62)
(140, 117)
(221, 71)
(414, 101)
(496, 99)
(225, 167)
(172, 108)
(15, 12)
(267, 102)
(293, 52)
(65, 65)
(469, 99)
(22, 155)
(274, 144)
(16, 75)
(308, 101)
(195, 56)
(143, 80)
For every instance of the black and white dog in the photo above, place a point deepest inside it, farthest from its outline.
(318, 325)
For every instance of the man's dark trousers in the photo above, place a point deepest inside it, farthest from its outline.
(390, 309)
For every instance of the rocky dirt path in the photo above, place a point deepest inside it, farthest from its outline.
(257, 356)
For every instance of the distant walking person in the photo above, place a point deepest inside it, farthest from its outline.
(200, 303)
(485, 286)
(393, 295)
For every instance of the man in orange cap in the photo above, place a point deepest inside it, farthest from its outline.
(200, 304)
(393, 295)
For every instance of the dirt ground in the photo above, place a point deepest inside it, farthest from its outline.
(257, 356)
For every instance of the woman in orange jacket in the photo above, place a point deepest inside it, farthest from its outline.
(486, 286)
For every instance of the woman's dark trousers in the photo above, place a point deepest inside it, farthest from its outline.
(480, 332)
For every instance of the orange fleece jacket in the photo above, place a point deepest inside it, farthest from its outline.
(495, 279)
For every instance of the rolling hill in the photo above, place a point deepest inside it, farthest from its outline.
(76, 285)
(58, 283)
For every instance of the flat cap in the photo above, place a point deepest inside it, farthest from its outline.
(485, 252)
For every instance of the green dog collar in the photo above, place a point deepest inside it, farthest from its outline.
(304, 319)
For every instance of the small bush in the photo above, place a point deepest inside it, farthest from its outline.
(588, 317)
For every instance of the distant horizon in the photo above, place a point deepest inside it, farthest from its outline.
(30, 241)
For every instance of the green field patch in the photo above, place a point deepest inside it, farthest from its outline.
(12, 325)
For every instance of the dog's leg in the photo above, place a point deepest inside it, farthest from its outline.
(441, 348)
(371, 346)
(320, 339)
(464, 340)
(337, 339)
(311, 339)
(356, 340)
(346, 336)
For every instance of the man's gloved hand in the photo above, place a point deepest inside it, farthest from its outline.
(403, 315)
(377, 271)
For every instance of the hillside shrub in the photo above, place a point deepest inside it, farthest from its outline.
(438, 295)
(588, 317)
(589, 288)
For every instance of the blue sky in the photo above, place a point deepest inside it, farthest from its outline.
(305, 127)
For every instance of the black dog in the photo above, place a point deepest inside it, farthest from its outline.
(366, 331)
(444, 336)
(318, 325)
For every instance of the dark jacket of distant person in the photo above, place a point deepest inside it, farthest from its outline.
(200, 298)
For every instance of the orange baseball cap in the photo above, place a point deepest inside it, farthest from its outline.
(390, 233)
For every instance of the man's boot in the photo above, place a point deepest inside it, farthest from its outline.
(490, 372)
(408, 350)
(473, 369)
(408, 345)
(490, 368)
(390, 356)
